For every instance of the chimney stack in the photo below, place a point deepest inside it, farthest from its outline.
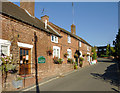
(28, 5)
(44, 18)
(73, 29)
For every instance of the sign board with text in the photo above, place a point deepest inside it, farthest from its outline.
(41, 59)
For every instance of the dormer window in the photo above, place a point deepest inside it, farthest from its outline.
(54, 39)
(69, 39)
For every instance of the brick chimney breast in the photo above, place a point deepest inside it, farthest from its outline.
(73, 29)
(44, 18)
(28, 5)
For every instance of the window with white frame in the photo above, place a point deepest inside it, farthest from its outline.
(4, 50)
(80, 53)
(88, 57)
(69, 53)
(79, 43)
(5, 47)
(56, 51)
(69, 39)
(54, 39)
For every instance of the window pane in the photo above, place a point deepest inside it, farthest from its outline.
(52, 38)
(57, 52)
(4, 50)
(26, 52)
(54, 52)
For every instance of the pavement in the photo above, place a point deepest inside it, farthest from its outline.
(102, 76)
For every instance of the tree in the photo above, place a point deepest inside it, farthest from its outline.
(117, 45)
(94, 55)
(108, 50)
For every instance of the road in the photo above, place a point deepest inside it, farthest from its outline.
(99, 77)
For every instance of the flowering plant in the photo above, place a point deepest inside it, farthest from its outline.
(57, 60)
(65, 55)
(50, 51)
(6, 64)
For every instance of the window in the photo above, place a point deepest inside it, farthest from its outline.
(69, 39)
(5, 47)
(88, 57)
(79, 43)
(87, 48)
(80, 53)
(56, 51)
(4, 50)
(54, 39)
(69, 53)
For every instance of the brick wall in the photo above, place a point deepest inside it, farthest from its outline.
(15, 31)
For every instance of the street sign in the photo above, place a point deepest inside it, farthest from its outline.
(41, 59)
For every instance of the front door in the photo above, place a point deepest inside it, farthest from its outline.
(25, 62)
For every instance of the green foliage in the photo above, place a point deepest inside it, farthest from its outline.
(6, 64)
(75, 65)
(60, 60)
(112, 51)
(81, 58)
(57, 60)
(108, 50)
(117, 45)
(65, 55)
(94, 55)
(75, 55)
(104, 55)
(70, 60)
(19, 78)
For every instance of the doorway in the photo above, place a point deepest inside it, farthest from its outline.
(25, 61)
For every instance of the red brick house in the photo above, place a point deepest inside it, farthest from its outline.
(19, 26)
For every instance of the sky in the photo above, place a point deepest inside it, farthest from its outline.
(96, 22)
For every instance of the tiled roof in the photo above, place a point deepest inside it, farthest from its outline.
(69, 33)
(13, 11)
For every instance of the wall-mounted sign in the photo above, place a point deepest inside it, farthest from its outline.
(41, 59)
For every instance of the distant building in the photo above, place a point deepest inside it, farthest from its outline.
(101, 50)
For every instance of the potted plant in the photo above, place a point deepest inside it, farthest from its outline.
(57, 60)
(81, 61)
(65, 55)
(75, 65)
(84, 55)
(81, 58)
(50, 51)
(88, 55)
(70, 60)
(6, 65)
(60, 61)
(18, 82)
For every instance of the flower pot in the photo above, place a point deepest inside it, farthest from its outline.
(17, 84)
